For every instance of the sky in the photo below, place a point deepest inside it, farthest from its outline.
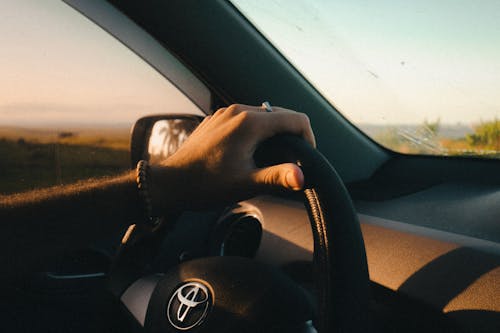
(392, 61)
(378, 62)
(58, 67)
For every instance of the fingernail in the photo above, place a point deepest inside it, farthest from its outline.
(291, 181)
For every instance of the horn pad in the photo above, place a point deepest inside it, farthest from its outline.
(227, 294)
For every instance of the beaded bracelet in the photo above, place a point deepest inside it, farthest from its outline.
(143, 183)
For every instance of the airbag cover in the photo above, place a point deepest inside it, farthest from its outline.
(227, 294)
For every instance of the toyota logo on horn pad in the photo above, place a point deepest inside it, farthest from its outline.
(188, 305)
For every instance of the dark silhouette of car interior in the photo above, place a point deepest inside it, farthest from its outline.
(379, 241)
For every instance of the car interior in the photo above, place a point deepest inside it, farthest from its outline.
(381, 241)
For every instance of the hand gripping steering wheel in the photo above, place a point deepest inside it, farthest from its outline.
(232, 294)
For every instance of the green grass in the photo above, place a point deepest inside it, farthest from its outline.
(26, 165)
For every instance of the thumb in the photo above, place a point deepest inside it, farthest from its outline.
(287, 175)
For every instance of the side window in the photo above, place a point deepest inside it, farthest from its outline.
(70, 93)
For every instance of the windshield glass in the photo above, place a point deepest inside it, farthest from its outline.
(418, 77)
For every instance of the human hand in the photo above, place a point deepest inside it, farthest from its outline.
(216, 164)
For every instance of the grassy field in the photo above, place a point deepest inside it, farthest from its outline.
(443, 140)
(39, 157)
(117, 138)
(34, 158)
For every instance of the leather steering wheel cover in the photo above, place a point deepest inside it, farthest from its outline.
(340, 266)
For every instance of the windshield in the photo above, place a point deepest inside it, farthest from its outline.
(418, 77)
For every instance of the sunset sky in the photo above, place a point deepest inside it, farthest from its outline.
(381, 62)
(58, 67)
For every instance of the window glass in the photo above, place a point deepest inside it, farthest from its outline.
(417, 76)
(69, 96)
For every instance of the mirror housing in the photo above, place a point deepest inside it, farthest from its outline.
(154, 138)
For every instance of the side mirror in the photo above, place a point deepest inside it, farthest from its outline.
(154, 138)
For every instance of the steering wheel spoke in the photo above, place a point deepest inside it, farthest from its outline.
(137, 296)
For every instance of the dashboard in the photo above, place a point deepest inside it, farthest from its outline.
(415, 270)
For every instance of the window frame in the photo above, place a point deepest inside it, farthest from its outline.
(147, 48)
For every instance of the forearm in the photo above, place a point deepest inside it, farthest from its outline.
(39, 224)
(214, 166)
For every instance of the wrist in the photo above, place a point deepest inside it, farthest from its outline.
(167, 190)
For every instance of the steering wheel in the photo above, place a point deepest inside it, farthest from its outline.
(232, 294)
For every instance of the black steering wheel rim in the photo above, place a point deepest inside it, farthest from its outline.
(340, 267)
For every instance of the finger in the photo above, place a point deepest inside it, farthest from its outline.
(203, 124)
(287, 175)
(286, 121)
(205, 120)
(234, 109)
(247, 107)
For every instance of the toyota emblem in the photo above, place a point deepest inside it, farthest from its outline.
(188, 306)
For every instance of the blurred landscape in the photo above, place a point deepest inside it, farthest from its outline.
(41, 157)
(35, 157)
(432, 138)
